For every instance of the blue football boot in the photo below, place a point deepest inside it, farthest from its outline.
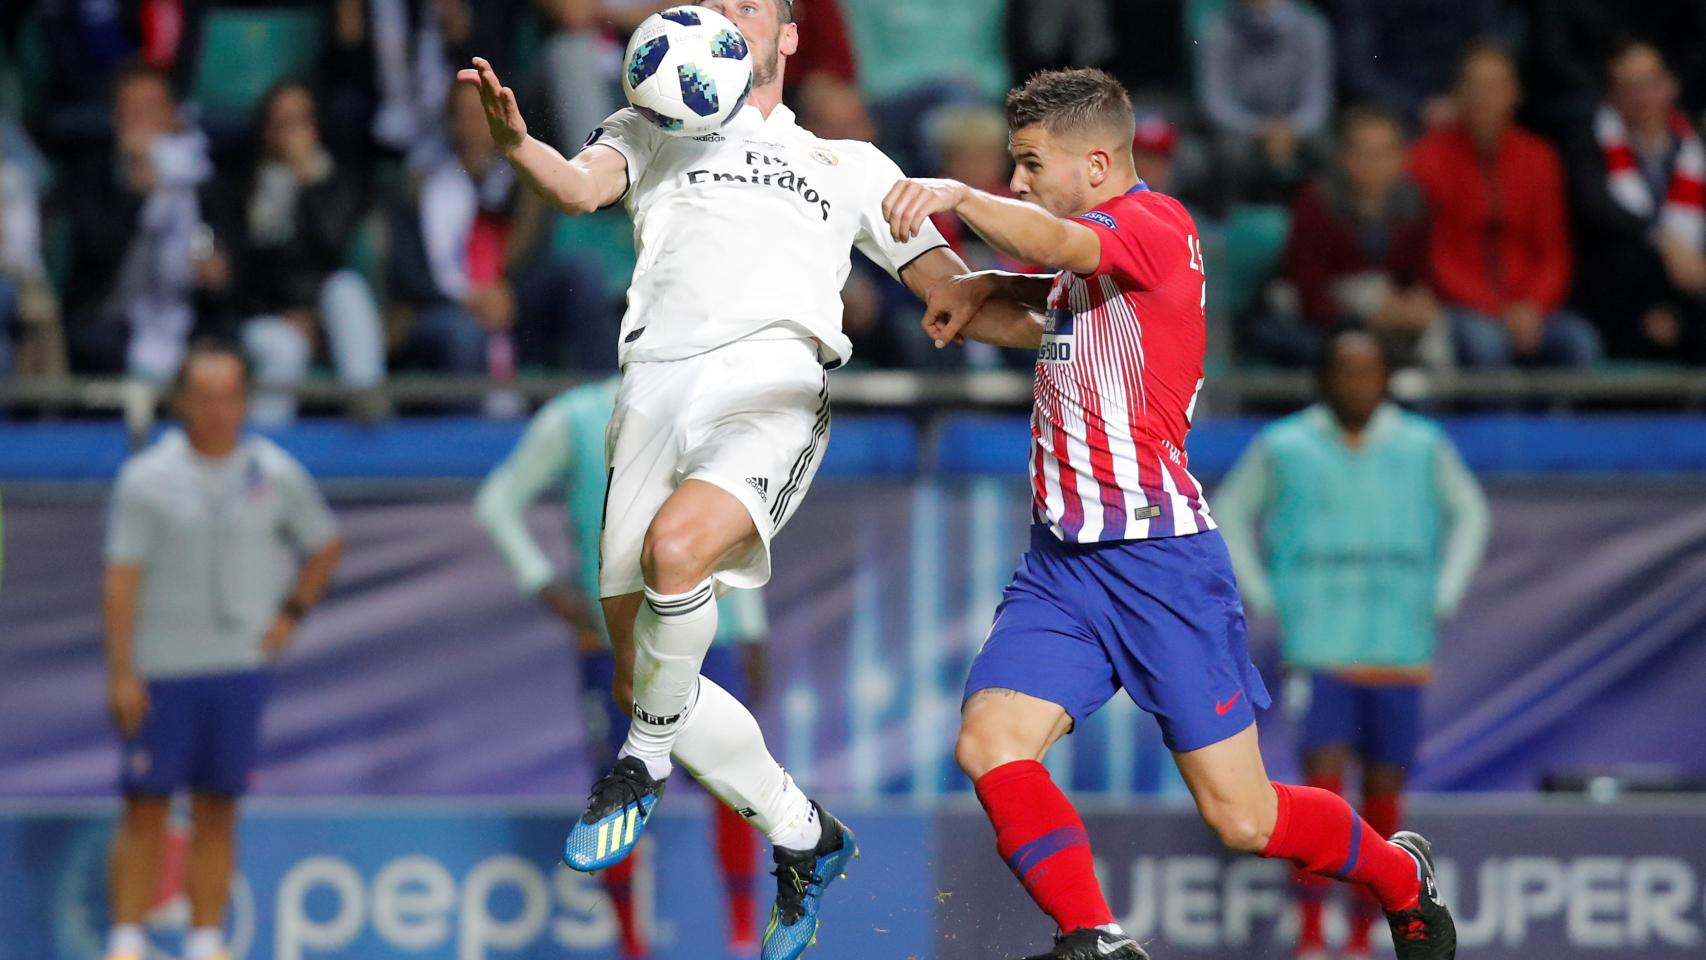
(801, 878)
(615, 817)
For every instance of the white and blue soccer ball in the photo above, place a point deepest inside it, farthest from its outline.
(688, 70)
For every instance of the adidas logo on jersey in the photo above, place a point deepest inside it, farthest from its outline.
(712, 137)
(762, 485)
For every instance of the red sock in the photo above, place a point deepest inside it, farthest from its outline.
(1311, 890)
(1384, 813)
(619, 883)
(1319, 832)
(737, 854)
(1040, 836)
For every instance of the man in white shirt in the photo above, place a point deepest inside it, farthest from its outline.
(734, 313)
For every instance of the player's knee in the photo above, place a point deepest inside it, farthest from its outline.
(214, 812)
(983, 746)
(671, 559)
(1237, 828)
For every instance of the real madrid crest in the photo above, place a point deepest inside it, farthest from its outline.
(824, 157)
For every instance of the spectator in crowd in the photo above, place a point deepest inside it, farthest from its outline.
(141, 251)
(823, 77)
(1152, 149)
(970, 143)
(1570, 42)
(89, 44)
(1358, 254)
(916, 56)
(1266, 84)
(581, 60)
(476, 261)
(1638, 181)
(1403, 54)
(1501, 260)
(31, 343)
(286, 224)
(200, 597)
(1370, 530)
(392, 64)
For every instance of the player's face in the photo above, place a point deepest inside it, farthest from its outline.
(1356, 379)
(1049, 172)
(760, 21)
(213, 402)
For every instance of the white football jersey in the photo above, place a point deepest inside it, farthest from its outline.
(748, 232)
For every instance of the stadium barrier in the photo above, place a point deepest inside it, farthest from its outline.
(393, 879)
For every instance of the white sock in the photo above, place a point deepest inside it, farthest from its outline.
(721, 746)
(127, 939)
(671, 634)
(204, 943)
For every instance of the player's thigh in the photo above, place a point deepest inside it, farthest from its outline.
(1000, 726)
(759, 436)
(696, 530)
(643, 448)
(1170, 619)
(1230, 785)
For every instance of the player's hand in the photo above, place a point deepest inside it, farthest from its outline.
(503, 116)
(911, 202)
(571, 607)
(127, 698)
(278, 636)
(952, 305)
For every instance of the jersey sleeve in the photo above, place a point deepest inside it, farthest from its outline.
(308, 521)
(130, 520)
(543, 457)
(873, 238)
(1139, 247)
(631, 135)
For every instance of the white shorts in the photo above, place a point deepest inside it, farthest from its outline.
(751, 417)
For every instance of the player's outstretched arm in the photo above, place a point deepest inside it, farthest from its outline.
(591, 181)
(1023, 231)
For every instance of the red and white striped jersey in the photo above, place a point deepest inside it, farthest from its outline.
(1117, 378)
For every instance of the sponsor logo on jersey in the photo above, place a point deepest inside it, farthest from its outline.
(1105, 219)
(711, 138)
(762, 485)
(768, 171)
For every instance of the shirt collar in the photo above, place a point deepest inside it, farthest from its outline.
(1380, 426)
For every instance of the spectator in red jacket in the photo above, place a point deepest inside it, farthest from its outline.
(1501, 258)
(1358, 253)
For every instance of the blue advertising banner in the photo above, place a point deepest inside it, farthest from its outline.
(400, 879)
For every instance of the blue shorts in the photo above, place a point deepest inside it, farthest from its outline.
(607, 725)
(1381, 722)
(203, 733)
(1160, 618)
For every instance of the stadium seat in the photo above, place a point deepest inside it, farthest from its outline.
(1253, 240)
(245, 52)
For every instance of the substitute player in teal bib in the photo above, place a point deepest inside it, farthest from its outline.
(564, 448)
(1370, 527)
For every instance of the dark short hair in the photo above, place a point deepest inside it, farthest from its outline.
(279, 89)
(1070, 101)
(785, 8)
(1366, 114)
(1626, 45)
(203, 348)
(1330, 351)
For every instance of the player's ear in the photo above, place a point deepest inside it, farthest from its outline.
(1099, 165)
(790, 40)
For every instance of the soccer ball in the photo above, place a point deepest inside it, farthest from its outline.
(688, 70)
